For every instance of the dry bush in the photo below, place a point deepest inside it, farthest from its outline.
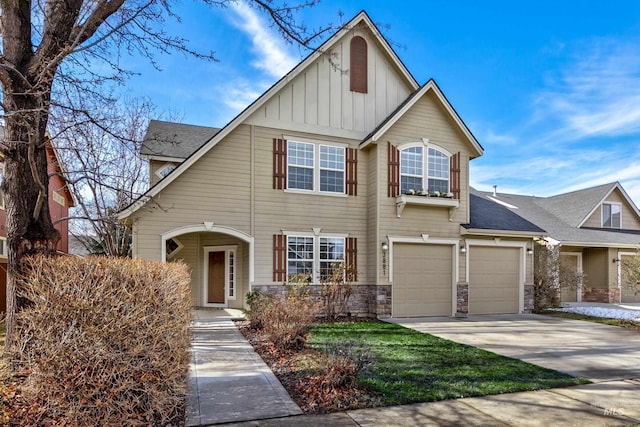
(287, 319)
(336, 290)
(630, 273)
(259, 305)
(106, 340)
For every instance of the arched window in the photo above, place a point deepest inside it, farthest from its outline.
(358, 66)
(424, 168)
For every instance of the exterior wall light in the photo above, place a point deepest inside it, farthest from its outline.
(385, 249)
(529, 251)
(463, 248)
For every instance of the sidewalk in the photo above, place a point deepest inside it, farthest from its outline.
(232, 386)
(228, 381)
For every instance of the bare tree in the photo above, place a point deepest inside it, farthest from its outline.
(630, 273)
(48, 52)
(103, 169)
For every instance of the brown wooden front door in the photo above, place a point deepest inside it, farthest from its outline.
(215, 289)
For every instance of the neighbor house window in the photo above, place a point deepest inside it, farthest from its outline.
(315, 167)
(58, 198)
(3, 247)
(611, 215)
(1, 181)
(315, 258)
(424, 168)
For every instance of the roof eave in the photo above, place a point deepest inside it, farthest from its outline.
(502, 233)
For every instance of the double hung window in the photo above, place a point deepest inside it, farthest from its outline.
(315, 167)
(424, 168)
(314, 258)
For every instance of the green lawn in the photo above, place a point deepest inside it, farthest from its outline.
(629, 324)
(410, 366)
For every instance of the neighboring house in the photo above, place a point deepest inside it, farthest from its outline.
(318, 171)
(60, 199)
(595, 229)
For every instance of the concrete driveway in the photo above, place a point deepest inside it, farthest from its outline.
(585, 349)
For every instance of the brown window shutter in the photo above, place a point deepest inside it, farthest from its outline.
(351, 257)
(393, 170)
(351, 178)
(454, 175)
(279, 164)
(279, 258)
(358, 65)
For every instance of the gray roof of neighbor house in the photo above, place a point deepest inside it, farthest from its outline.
(174, 140)
(560, 215)
(488, 215)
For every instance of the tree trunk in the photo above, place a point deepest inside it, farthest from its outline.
(25, 187)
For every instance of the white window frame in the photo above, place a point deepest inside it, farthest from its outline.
(2, 206)
(159, 172)
(316, 168)
(612, 204)
(315, 265)
(426, 146)
(59, 198)
(176, 250)
(3, 247)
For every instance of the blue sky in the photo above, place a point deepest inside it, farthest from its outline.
(551, 91)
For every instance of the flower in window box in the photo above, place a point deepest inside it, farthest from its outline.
(421, 192)
(449, 195)
(410, 192)
(434, 194)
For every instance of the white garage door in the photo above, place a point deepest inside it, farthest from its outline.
(422, 280)
(494, 276)
(628, 293)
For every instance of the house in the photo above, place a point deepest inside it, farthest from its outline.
(346, 160)
(60, 199)
(595, 228)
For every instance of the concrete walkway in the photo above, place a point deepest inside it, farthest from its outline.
(232, 386)
(228, 381)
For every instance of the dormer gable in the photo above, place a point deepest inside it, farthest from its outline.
(614, 211)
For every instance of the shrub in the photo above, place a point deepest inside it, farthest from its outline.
(259, 305)
(336, 290)
(552, 273)
(106, 341)
(287, 319)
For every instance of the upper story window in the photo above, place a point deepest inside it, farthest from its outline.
(315, 167)
(358, 65)
(1, 181)
(611, 215)
(424, 168)
(165, 170)
(58, 198)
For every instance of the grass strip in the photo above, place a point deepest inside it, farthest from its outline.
(408, 366)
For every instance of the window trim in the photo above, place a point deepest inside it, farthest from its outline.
(173, 253)
(317, 167)
(158, 172)
(316, 261)
(602, 217)
(2, 174)
(4, 252)
(426, 146)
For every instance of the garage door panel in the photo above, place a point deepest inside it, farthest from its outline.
(422, 280)
(494, 280)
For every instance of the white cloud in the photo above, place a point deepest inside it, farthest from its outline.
(598, 94)
(272, 55)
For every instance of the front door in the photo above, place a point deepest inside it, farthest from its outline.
(216, 281)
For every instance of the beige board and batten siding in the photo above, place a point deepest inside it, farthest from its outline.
(318, 99)
(215, 189)
(300, 212)
(630, 220)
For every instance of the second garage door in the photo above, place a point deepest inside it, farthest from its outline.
(422, 280)
(494, 276)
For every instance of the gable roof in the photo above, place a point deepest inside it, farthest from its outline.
(430, 86)
(168, 140)
(546, 212)
(361, 18)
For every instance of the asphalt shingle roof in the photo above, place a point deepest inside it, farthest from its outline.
(488, 215)
(177, 140)
(557, 219)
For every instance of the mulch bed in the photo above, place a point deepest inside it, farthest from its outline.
(306, 380)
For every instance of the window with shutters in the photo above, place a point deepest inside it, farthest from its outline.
(315, 167)
(313, 258)
(358, 65)
(424, 168)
